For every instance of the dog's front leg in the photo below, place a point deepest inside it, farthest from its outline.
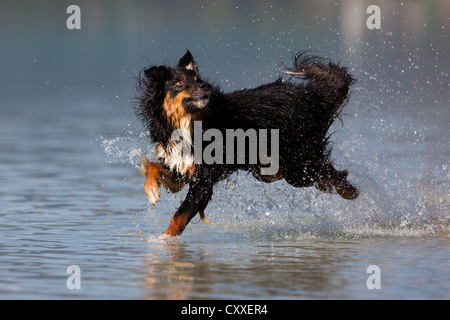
(151, 171)
(157, 174)
(199, 194)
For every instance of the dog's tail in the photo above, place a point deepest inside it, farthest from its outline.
(329, 82)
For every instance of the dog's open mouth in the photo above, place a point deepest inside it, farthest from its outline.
(197, 102)
(203, 100)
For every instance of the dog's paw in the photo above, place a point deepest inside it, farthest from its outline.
(169, 239)
(347, 191)
(164, 237)
(152, 191)
(324, 187)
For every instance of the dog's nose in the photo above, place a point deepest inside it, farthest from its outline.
(205, 86)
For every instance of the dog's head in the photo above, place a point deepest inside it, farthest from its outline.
(179, 90)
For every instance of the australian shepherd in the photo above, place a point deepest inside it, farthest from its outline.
(299, 111)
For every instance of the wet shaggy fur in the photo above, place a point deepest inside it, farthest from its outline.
(173, 98)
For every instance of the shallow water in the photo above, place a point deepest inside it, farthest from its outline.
(71, 192)
(73, 197)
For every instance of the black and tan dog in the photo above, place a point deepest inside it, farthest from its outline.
(173, 98)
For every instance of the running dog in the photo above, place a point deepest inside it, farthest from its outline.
(173, 99)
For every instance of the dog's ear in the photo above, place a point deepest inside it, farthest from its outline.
(187, 62)
(157, 75)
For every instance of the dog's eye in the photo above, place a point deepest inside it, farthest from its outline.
(179, 83)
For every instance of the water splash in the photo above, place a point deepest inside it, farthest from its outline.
(394, 201)
(126, 149)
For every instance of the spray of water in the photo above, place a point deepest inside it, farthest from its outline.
(390, 203)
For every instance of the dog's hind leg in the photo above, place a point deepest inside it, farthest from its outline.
(337, 179)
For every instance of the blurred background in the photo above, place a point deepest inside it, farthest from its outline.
(237, 44)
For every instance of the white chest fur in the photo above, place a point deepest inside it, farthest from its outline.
(178, 153)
